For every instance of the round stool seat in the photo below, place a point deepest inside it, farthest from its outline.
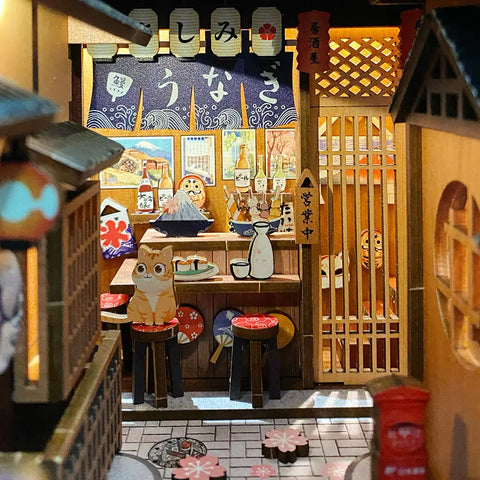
(255, 327)
(114, 302)
(155, 333)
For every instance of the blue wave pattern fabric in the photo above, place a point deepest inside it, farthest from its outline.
(167, 93)
(268, 91)
(217, 93)
(167, 85)
(115, 95)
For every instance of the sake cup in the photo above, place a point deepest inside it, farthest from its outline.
(240, 268)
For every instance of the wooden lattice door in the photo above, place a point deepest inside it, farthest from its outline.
(362, 328)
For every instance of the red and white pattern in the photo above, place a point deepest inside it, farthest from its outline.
(255, 322)
(112, 300)
(262, 471)
(191, 324)
(142, 327)
(285, 440)
(199, 468)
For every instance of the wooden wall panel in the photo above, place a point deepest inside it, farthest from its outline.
(16, 62)
(453, 426)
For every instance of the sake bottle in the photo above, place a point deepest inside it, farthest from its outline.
(279, 178)
(260, 178)
(145, 192)
(242, 171)
(165, 187)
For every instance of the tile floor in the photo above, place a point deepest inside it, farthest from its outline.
(334, 443)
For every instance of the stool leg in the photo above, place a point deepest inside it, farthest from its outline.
(273, 368)
(256, 373)
(236, 369)
(126, 346)
(175, 367)
(160, 374)
(138, 379)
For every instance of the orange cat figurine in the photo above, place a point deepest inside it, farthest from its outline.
(153, 302)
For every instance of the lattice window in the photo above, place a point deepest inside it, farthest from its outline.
(457, 271)
(363, 62)
(363, 328)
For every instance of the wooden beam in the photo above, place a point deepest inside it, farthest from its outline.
(101, 15)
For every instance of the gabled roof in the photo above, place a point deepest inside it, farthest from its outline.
(444, 62)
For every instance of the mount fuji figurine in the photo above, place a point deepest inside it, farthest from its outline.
(181, 218)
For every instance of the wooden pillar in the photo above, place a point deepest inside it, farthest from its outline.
(307, 133)
(415, 250)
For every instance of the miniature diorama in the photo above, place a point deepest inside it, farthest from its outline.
(221, 213)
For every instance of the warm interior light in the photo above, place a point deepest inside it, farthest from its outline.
(33, 357)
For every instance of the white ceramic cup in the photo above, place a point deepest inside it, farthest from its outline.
(240, 268)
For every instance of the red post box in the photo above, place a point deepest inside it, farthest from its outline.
(399, 450)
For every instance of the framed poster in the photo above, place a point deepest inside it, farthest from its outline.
(127, 172)
(231, 141)
(280, 141)
(198, 157)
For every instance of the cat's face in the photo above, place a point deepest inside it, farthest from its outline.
(154, 268)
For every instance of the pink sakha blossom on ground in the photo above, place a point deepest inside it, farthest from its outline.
(334, 470)
(199, 468)
(285, 440)
(262, 471)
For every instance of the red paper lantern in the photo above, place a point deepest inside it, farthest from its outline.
(313, 41)
(408, 30)
(29, 201)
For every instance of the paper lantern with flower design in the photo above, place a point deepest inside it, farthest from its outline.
(313, 41)
(29, 201)
(267, 32)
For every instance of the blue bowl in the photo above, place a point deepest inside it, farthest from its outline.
(181, 228)
(245, 229)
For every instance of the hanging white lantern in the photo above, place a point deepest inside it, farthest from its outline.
(226, 35)
(184, 32)
(149, 18)
(267, 32)
(102, 52)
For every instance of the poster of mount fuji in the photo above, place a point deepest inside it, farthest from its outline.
(127, 172)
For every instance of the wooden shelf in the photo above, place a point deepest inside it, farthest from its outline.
(122, 283)
(214, 241)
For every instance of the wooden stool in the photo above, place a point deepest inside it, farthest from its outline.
(157, 336)
(117, 303)
(255, 330)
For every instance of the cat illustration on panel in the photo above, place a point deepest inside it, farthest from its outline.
(154, 299)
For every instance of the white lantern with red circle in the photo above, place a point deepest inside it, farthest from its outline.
(267, 32)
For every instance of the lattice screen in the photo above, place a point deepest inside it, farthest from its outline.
(363, 332)
(363, 62)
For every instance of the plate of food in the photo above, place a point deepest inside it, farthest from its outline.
(193, 267)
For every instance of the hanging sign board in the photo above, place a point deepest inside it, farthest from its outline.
(267, 32)
(184, 32)
(102, 52)
(149, 18)
(226, 37)
(313, 41)
(307, 209)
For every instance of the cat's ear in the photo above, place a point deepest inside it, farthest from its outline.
(144, 251)
(167, 252)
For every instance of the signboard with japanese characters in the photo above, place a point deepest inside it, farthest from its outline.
(267, 31)
(226, 38)
(149, 18)
(167, 87)
(307, 209)
(184, 32)
(313, 41)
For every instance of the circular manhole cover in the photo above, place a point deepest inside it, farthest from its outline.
(167, 453)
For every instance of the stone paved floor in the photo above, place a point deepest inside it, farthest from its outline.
(334, 443)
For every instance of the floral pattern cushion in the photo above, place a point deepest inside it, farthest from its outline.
(142, 327)
(255, 321)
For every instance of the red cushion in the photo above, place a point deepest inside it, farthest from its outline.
(141, 327)
(112, 300)
(255, 321)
